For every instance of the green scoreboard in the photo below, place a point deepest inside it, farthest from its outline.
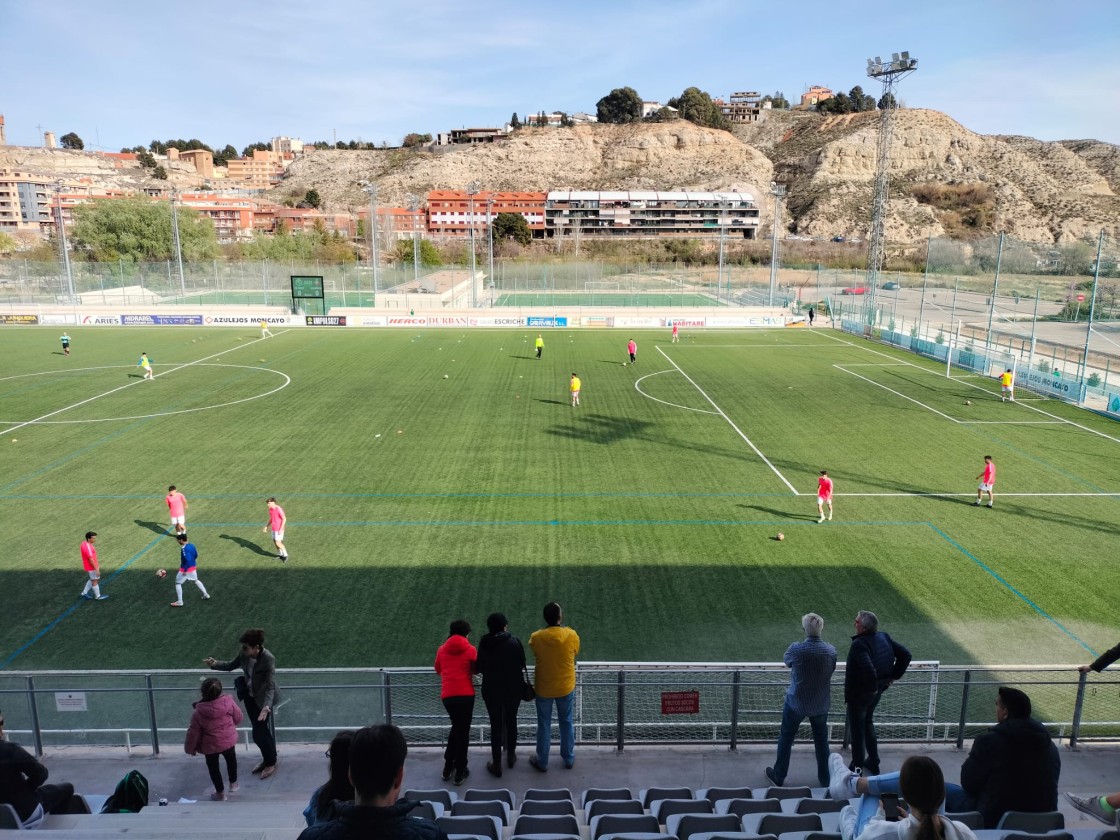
(307, 287)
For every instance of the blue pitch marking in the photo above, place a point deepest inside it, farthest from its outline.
(70, 610)
(1007, 585)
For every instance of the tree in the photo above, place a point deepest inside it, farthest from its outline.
(145, 159)
(413, 140)
(255, 147)
(429, 254)
(663, 114)
(621, 105)
(159, 173)
(224, 155)
(841, 103)
(697, 107)
(71, 141)
(313, 199)
(778, 100)
(566, 120)
(7, 243)
(137, 230)
(860, 100)
(887, 100)
(512, 226)
(514, 122)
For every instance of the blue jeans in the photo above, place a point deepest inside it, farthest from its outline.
(956, 799)
(564, 708)
(791, 720)
(861, 728)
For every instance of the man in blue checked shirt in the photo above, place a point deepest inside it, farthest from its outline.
(811, 664)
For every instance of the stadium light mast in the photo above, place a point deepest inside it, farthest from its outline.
(779, 192)
(62, 242)
(414, 205)
(374, 257)
(490, 237)
(178, 242)
(889, 73)
(472, 191)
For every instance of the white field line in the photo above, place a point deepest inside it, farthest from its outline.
(898, 394)
(122, 387)
(1010, 422)
(665, 402)
(731, 423)
(1102, 495)
(895, 361)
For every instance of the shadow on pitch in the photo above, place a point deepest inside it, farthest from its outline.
(251, 546)
(553, 402)
(602, 428)
(781, 514)
(154, 527)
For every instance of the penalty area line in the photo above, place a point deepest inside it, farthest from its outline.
(731, 423)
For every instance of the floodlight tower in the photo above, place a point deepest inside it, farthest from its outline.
(472, 191)
(374, 257)
(889, 73)
(414, 202)
(779, 192)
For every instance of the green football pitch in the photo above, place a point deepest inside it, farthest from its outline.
(429, 475)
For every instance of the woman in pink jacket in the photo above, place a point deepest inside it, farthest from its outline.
(454, 663)
(213, 732)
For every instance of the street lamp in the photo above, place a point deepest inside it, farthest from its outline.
(472, 191)
(490, 234)
(62, 241)
(414, 205)
(374, 257)
(178, 244)
(779, 192)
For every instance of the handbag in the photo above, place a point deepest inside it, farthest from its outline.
(527, 690)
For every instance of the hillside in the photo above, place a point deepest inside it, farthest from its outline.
(1046, 192)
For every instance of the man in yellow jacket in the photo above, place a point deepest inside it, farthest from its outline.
(555, 649)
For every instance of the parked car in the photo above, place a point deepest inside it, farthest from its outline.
(854, 290)
(890, 285)
(838, 239)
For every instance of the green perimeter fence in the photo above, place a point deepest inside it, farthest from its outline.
(617, 704)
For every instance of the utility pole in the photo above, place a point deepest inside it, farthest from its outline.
(178, 243)
(490, 236)
(374, 257)
(779, 193)
(472, 191)
(414, 205)
(62, 241)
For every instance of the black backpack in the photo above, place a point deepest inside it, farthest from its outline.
(130, 796)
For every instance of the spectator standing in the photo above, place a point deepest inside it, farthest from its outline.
(555, 648)
(377, 756)
(93, 569)
(22, 784)
(455, 661)
(177, 508)
(812, 315)
(338, 790)
(213, 732)
(875, 661)
(501, 662)
(257, 689)
(811, 663)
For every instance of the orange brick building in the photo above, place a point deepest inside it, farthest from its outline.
(449, 211)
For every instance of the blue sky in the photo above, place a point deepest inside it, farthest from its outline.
(120, 72)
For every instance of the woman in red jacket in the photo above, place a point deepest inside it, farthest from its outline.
(213, 732)
(454, 663)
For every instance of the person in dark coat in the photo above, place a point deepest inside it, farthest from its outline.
(21, 784)
(260, 694)
(377, 755)
(501, 662)
(875, 661)
(1014, 766)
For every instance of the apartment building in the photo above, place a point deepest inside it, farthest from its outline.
(467, 136)
(454, 212)
(232, 216)
(395, 222)
(26, 202)
(287, 146)
(743, 107)
(263, 169)
(647, 214)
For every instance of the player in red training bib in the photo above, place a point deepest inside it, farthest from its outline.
(824, 495)
(177, 506)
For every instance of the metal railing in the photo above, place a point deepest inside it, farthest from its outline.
(617, 703)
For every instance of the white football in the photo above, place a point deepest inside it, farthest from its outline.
(780, 536)
(161, 573)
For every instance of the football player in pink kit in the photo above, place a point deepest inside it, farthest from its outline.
(276, 522)
(824, 495)
(632, 349)
(987, 482)
(93, 569)
(177, 505)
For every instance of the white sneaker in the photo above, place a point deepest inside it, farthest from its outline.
(819, 521)
(829, 517)
(840, 784)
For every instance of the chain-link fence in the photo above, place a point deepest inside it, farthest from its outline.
(617, 704)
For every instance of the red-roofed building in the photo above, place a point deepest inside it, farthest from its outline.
(449, 211)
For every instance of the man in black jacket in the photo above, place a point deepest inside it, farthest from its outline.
(501, 662)
(377, 755)
(1014, 766)
(875, 660)
(21, 784)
